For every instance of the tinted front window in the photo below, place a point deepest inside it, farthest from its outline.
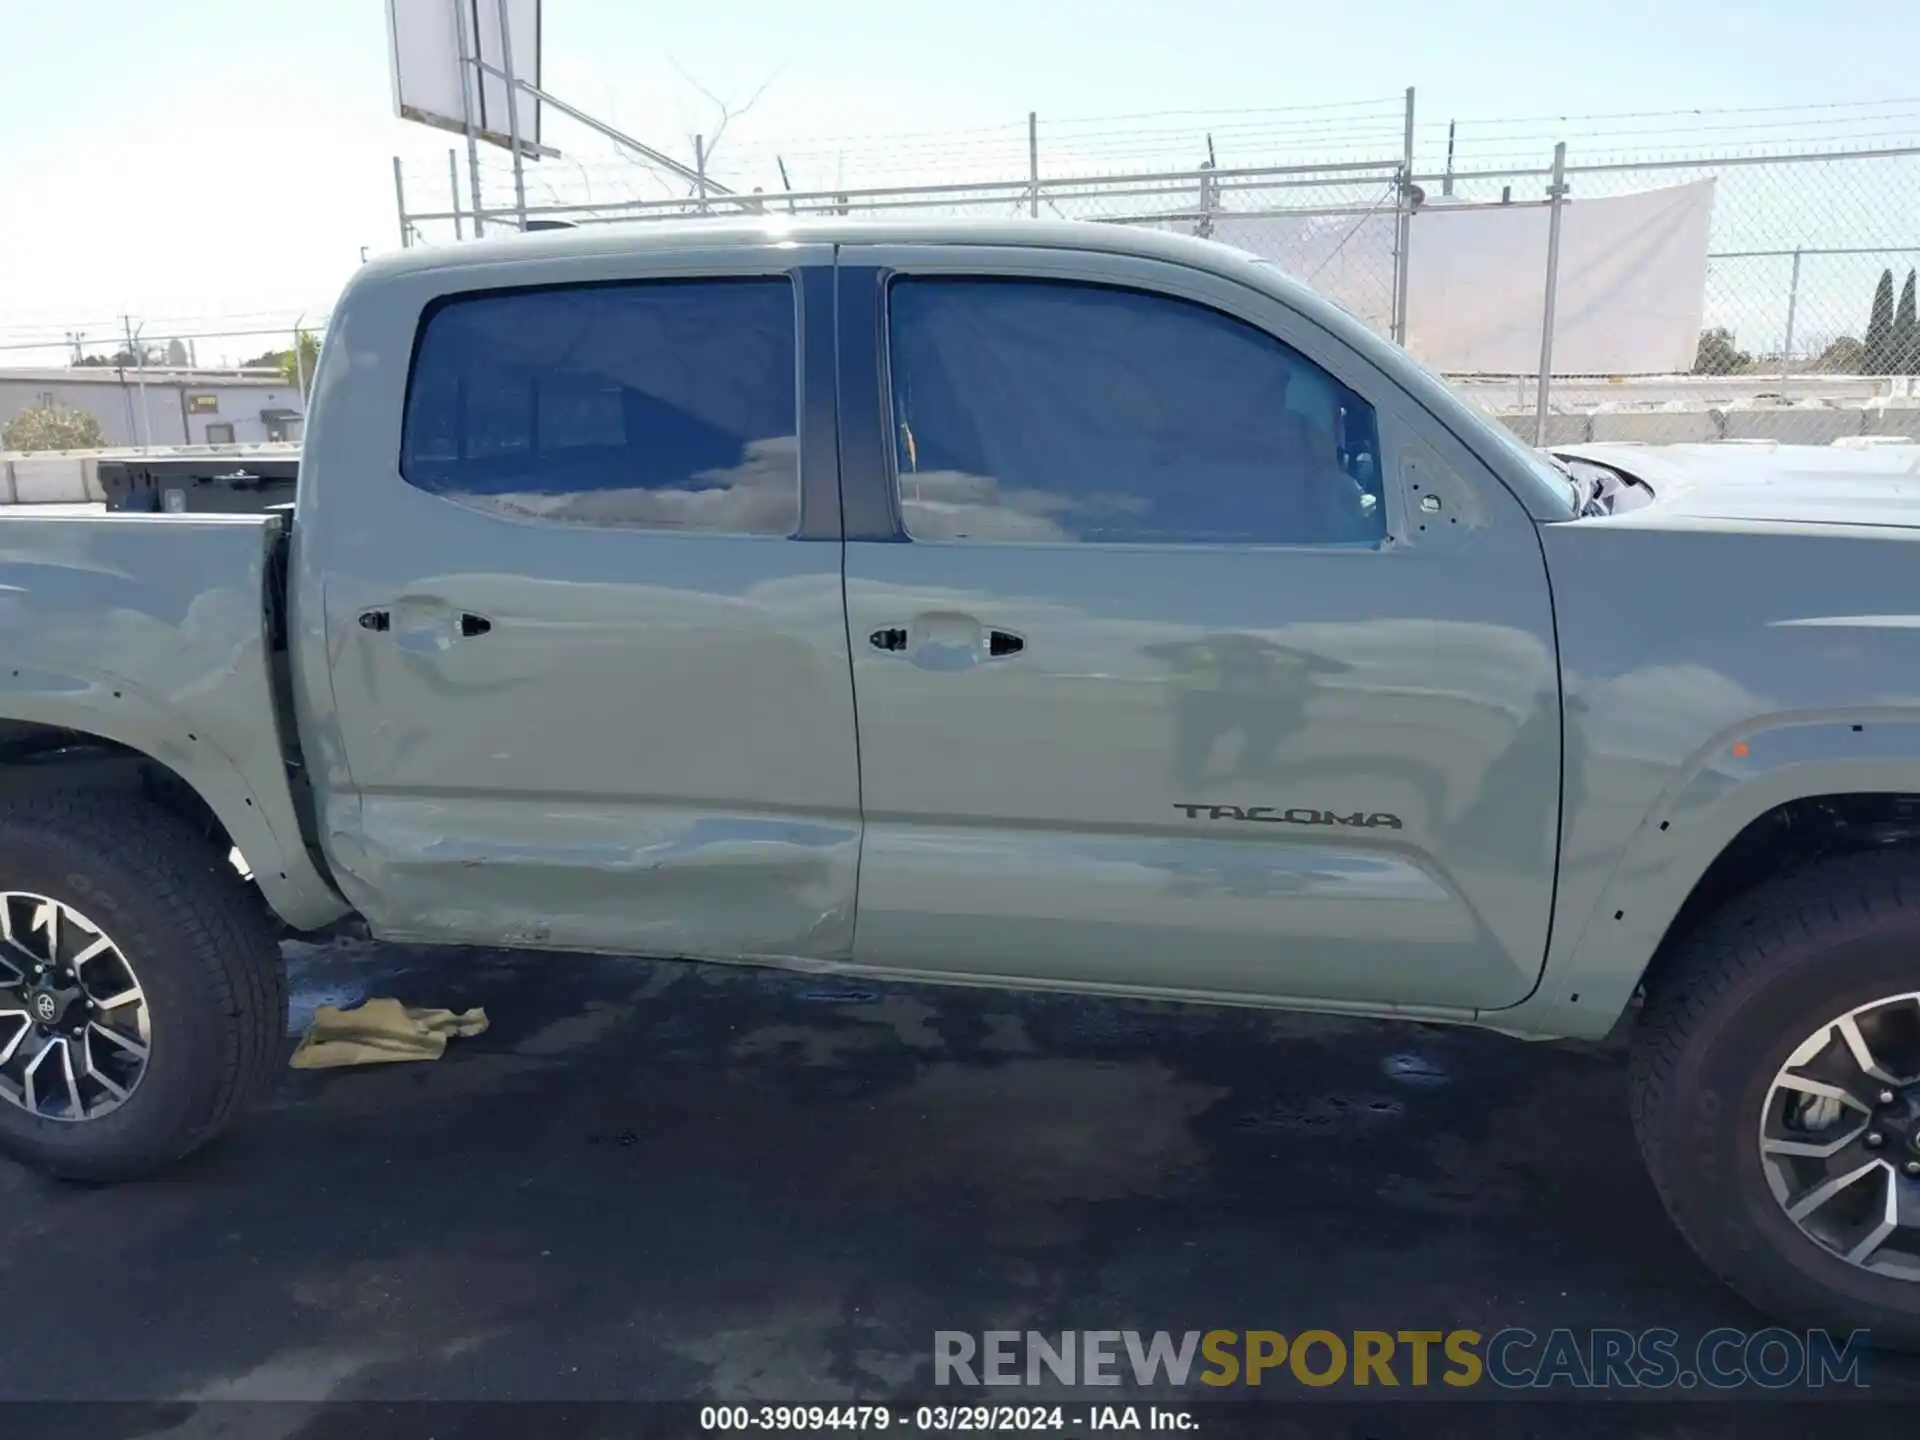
(1036, 410)
(668, 405)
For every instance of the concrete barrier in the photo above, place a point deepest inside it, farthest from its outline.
(1892, 420)
(1561, 429)
(1656, 427)
(1792, 425)
(1804, 424)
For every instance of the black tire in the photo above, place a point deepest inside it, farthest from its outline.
(1722, 1014)
(200, 940)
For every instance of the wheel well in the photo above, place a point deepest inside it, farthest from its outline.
(1787, 838)
(45, 757)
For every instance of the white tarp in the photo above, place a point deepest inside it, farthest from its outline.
(1633, 274)
(1633, 278)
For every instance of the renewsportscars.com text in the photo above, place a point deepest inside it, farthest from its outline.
(1513, 1358)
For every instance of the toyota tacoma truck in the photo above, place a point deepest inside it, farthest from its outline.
(1021, 604)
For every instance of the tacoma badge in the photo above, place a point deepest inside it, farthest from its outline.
(1267, 814)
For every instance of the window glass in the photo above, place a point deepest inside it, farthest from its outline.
(1038, 410)
(668, 405)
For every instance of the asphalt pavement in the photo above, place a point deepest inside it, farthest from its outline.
(691, 1182)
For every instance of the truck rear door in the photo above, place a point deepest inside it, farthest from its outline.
(1189, 654)
(588, 661)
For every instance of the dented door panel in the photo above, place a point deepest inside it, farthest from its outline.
(659, 767)
(585, 731)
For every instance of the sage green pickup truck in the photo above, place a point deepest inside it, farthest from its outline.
(1021, 604)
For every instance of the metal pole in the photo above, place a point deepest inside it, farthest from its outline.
(1403, 230)
(1446, 181)
(513, 114)
(1793, 306)
(400, 199)
(1205, 227)
(646, 152)
(140, 381)
(1556, 193)
(700, 170)
(470, 83)
(1033, 164)
(453, 189)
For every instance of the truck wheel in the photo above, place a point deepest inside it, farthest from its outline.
(1776, 1095)
(141, 995)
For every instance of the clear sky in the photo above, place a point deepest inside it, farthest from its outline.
(223, 162)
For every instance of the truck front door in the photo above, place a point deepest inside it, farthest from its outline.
(1190, 655)
(588, 657)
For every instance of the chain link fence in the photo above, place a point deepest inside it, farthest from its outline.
(1808, 329)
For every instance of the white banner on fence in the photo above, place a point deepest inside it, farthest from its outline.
(1633, 275)
(1633, 278)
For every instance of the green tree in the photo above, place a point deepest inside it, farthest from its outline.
(52, 427)
(1718, 355)
(125, 359)
(300, 368)
(1905, 348)
(284, 362)
(1880, 327)
(1842, 355)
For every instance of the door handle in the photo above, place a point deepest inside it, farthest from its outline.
(433, 635)
(946, 642)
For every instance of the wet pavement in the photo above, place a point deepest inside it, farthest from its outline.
(700, 1182)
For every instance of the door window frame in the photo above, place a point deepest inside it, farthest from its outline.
(870, 497)
(1173, 303)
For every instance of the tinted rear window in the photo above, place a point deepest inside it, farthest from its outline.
(662, 404)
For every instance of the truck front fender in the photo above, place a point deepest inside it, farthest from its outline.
(1598, 958)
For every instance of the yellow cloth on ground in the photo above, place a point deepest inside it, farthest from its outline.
(378, 1032)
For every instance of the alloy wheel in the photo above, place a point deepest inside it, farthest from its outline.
(75, 1031)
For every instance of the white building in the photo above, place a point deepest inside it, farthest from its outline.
(163, 405)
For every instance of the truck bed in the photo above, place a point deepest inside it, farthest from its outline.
(156, 633)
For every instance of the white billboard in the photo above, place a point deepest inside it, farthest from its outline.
(432, 44)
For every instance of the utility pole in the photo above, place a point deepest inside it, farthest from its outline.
(145, 429)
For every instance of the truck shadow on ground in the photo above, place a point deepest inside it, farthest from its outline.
(699, 1182)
